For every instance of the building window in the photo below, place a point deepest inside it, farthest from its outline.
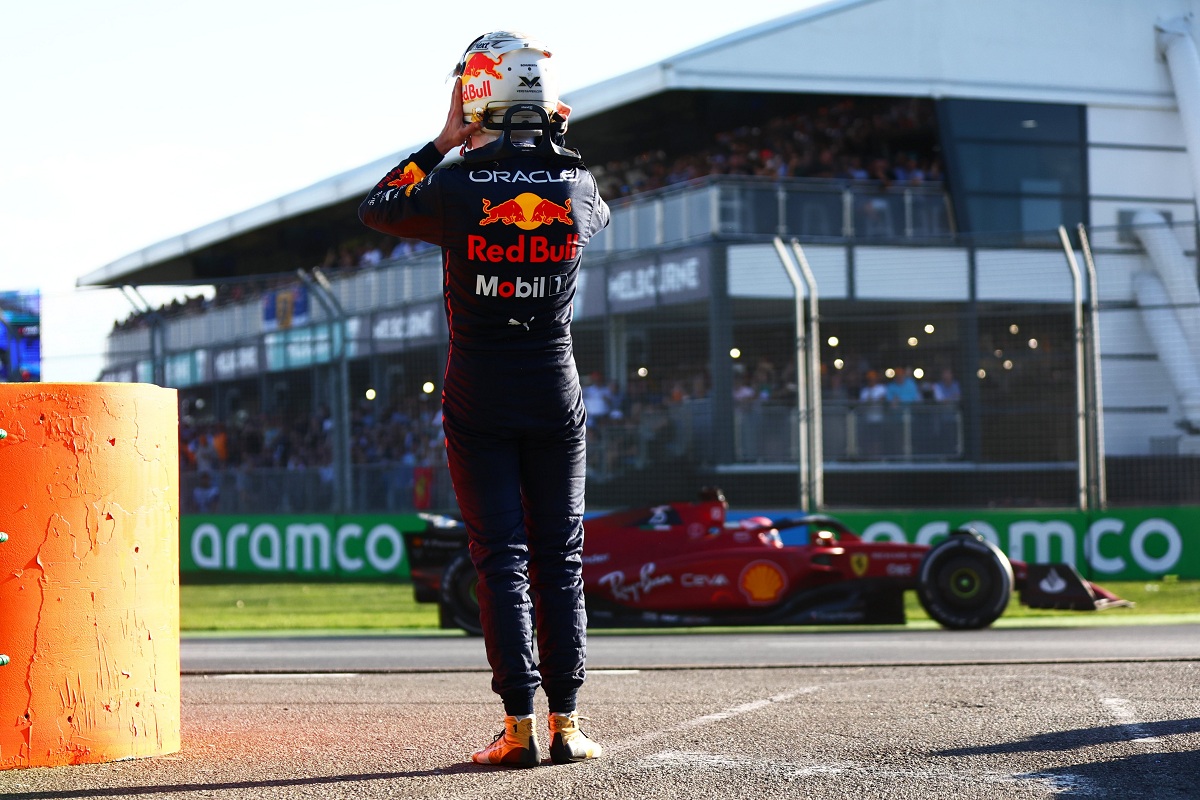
(1015, 167)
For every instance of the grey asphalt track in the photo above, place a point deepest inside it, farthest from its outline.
(810, 646)
(1109, 712)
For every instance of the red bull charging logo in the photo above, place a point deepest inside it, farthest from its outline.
(411, 175)
(527, 211)
(478, 64)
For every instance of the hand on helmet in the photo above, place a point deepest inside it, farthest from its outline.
(455, 131)
(564, 111)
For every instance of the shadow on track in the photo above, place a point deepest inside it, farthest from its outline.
(111, 791)
(1081, 737)
(1165, 775)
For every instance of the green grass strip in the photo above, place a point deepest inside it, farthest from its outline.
(340, 608)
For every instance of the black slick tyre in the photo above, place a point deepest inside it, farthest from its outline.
(458, 606)
(965, 582)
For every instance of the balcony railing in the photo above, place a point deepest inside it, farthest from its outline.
(766, 435)
(714, 206)
(390, 487)
(852, 433)
(803, 207)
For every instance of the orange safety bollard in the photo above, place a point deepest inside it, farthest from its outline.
(89, 573)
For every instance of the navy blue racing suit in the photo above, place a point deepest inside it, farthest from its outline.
(512, 227)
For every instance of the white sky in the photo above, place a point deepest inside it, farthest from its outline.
(128, 122)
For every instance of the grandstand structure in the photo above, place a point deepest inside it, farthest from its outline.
(941, 167)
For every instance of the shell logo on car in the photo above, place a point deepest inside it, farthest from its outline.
(762, 582)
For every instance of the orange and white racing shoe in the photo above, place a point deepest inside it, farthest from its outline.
(515, 746)
(568, 744)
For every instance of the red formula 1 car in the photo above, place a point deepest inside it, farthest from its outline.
(684, 564)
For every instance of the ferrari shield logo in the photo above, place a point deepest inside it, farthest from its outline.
(859, 563)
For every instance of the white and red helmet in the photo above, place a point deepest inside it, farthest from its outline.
(501, 69)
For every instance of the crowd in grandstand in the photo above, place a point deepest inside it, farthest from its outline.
(404, 435)
(837, 141)
(402, 431)
(840, 141)
(630, 428)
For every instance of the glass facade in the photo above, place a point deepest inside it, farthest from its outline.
(1015, 167)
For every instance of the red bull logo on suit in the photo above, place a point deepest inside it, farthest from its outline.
(527, 211)
(530, 249)
(411, 175)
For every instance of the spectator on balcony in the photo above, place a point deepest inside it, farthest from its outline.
(404, 247)
(745, 396)
(876, 208)
(206, 494)
(371, 256)
(747, 403)
(204, 452)
(907, 170)
(596, 399)
(947, 390)
(947, 395)
(903, 389)
(834, 392)
(854, 169)
(871, 400)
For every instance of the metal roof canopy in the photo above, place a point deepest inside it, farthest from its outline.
(918, 48)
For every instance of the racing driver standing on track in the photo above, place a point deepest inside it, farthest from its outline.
(512, 220)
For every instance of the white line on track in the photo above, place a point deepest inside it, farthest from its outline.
(246, 676)
(728, 713)
(1122, 711)
(793, 770)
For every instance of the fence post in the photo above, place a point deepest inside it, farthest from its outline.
(1098, 485)
(808, 377)
(1082, 496)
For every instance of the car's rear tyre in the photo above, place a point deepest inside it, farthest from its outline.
(459, 605)
(965, 582)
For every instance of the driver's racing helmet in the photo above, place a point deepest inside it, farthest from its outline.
(500, 69)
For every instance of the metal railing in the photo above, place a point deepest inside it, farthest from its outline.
(390, 487)
(700, 209)
(804, 207)
(853, 433)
